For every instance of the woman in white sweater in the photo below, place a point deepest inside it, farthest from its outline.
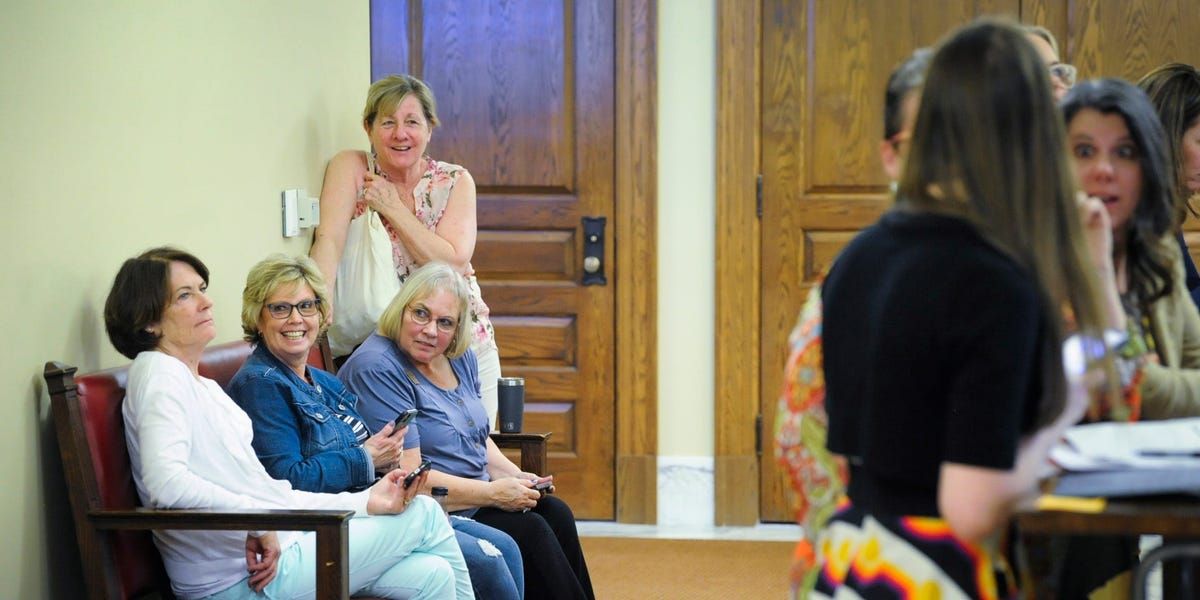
(189, 445)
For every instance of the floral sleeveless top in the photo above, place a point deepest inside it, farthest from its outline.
(430, 198)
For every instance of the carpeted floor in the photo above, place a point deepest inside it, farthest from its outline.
(636, 568)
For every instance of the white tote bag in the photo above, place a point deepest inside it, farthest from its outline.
(366, 283)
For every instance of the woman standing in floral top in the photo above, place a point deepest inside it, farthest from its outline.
(427, 206)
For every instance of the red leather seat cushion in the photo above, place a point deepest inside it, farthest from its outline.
(139, 566)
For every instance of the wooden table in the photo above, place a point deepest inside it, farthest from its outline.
(1176, 519)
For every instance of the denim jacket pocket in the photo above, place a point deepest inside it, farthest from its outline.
(322, 428)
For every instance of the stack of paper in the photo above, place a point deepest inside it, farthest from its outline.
(1130, 459)
(1146, 445)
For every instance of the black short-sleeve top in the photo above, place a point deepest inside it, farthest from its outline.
(932, 338)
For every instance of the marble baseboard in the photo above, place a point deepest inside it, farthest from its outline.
(685, 509)
(685, 491)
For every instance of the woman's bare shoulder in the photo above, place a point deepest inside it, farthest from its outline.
(349, 160)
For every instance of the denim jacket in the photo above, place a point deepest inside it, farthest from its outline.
(298, 434)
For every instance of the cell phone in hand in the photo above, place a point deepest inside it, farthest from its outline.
(543, 485)
(411, 477)
(405, 417)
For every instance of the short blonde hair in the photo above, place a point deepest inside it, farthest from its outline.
(1042, 32)
(421, 284)
(386, 94)
(272, 273)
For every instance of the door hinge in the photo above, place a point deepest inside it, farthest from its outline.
(758, 436)
(758, 195)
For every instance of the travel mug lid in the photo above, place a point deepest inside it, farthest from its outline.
(511, 381)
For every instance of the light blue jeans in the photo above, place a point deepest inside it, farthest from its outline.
(493, 559)
(409, 556)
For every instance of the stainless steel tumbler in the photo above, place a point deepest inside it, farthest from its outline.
(510, 393)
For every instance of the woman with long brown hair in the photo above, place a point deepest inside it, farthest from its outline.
(944, 325)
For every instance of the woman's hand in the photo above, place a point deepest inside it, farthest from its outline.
(383, 196)
(539, 482)
(389, 496)
(1097, 230)
(386, 447)
(513, 494)
(262, 559)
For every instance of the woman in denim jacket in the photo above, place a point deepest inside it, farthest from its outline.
(306, 426)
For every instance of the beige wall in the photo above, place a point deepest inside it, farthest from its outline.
(686, 225)
(131, 124)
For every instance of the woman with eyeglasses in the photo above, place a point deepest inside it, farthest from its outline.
(420, 358)
(1062, 75)
(306, 426)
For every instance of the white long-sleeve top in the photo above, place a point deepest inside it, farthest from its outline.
(189, 445)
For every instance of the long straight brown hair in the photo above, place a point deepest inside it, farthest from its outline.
(989, 146)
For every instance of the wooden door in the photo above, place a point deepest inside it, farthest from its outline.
(525, 95)
(825, 66)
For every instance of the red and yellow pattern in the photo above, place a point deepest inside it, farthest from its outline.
(818, 477)
(906, 558)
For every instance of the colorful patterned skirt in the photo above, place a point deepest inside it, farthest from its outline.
(863, 556)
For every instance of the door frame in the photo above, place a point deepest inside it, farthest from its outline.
(635, 207)
(738, 265)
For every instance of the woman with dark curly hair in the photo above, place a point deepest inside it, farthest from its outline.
(1121, 157)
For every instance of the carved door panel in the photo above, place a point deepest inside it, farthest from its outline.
(525, 96)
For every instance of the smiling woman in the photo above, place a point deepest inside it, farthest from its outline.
(427, 206)
(420, 358)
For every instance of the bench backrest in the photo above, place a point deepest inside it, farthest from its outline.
(91, 437)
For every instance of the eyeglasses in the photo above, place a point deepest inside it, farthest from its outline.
(899, 138)
(1064, 73)
(421, 316)
(283, 310)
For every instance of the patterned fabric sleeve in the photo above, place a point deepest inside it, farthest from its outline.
(818, 477)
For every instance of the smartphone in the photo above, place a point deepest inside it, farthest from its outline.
(405, 417)
(411, 477)
(543, 486)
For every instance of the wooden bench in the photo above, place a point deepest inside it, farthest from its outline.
(113, 529)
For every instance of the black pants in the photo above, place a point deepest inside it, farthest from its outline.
(550, 551)
(1088, 562)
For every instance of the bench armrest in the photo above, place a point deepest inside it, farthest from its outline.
(331, 526)
(531, 445)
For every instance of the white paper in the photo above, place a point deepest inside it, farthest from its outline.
(1173, 443)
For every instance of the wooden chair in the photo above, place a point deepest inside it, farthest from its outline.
(113, 530)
